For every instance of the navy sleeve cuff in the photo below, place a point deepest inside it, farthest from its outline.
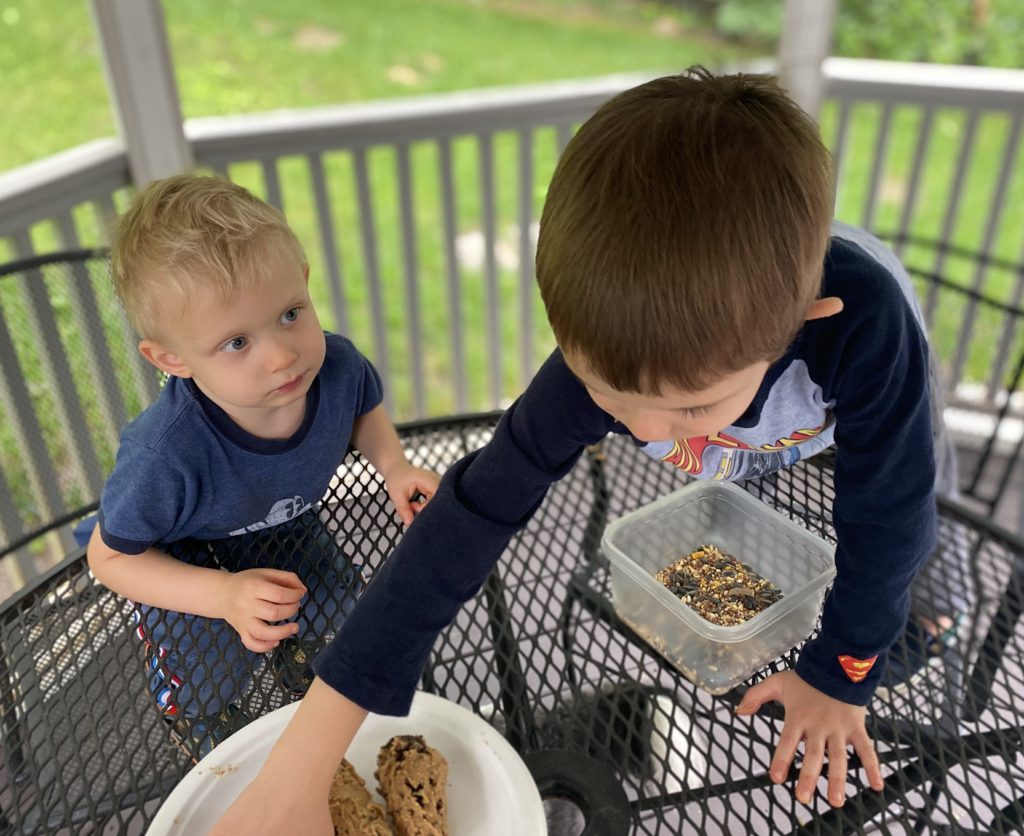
(372, 389)
(121, 544)
(833, 671)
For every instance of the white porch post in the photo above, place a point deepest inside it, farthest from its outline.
(140, 77)
(805, 43)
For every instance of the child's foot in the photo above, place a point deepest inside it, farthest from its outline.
(292, 663)
(196, 736)
(923, 642)
(943, 627)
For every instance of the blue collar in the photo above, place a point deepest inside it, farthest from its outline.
(222, 422)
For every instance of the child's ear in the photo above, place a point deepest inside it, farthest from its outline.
(163, 358)
(305, 272)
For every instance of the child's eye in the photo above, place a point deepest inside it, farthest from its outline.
(234, 344)
(290, 315)
(691, 411)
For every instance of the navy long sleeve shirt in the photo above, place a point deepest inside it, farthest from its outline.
(858, 380)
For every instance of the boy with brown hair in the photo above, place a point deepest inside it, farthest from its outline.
(704, 304)
(209, 521)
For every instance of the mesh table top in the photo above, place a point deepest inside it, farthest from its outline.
(597, 713)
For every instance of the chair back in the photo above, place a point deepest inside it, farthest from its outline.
(972, 307)
(70, 378)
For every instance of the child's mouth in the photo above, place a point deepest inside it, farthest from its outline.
(289, 386)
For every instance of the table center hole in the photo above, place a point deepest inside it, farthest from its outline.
(564, 817)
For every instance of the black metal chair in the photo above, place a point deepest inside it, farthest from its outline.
(84, 746)
(976, 325)
(70, 378)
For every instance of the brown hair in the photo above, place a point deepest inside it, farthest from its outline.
(684, 231)
(188, 231)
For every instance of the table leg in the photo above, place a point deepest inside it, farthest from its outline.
(597, 520)
(990, 654)
(588, 784)
(1012, 816)
(515, 702)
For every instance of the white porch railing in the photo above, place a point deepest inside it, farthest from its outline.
(419, 218)
(483, 160)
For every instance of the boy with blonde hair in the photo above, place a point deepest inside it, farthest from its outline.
(704, 304)
(209, 521)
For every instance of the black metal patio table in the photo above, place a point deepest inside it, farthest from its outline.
(599, 716)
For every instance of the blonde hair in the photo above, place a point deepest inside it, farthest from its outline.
(187, 232)
(685, 230)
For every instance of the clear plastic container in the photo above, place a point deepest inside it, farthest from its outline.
(714, 657)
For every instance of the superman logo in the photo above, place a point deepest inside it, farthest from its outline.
(856, 669)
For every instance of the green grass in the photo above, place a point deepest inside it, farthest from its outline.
(238, 56)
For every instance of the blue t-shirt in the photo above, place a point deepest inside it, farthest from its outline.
(185, 469)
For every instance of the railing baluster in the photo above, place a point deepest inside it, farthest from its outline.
(526, 283)
(11, 527)
(1001, 358)
(39, 468)
(368, 231)
(949, 220)
(106, 217)
(450, 233)
(839, 147)
(493, 295)
(1007, 336)
(98, 359)
(329, 245)
(24, 422)
(924, 135)
(878, 166)
(84, 464)
(272, 183)
(563, 133)
(412, 294)
(970, 312)
(145, 380)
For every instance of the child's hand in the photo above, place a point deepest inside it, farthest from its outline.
(821, 722)
(251, 599)
(289, 795)
(403, 483)
(268, 807)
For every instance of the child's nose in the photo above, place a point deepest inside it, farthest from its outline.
(281, 354)
(648, 426)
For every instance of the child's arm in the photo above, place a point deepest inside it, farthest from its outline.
(374, 436)
(290, 793)
(246, 600)
(885, 522)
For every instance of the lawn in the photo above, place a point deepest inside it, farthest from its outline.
(241, 56)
